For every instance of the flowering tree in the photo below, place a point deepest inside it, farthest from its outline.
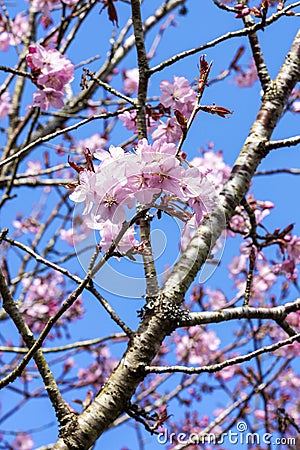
(105, 195)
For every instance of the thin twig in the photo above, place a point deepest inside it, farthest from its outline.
(277, 171)
(63, 348)
(53, 135)
(108, 87)
(288, 142)
(223, 38)
(241, 312)
(262, 70)
(229, 362)
(62, 410)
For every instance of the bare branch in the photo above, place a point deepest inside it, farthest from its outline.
(48, 136)
(225, 37)
(288, 142)
(277, 171)
(62, 411)
(80, 344)
(229, 362)
(262, 69)
(143, 68)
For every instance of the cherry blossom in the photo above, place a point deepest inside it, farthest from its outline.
(169, 131)
(48, 97)
(263, 280)
(114, 186)
(227, 373)
(94, 143)
(109, 232)
(131, 81)
(293, 248)
(196, 346)
(77, 233)
(213, 165)
(5, 39)
(248, 77)
(242, 10)
(19, 27)
(130, 121)
(216, 299)
(178, 95)
(51, 73)
(113, 154)
(296, 106)
(287, 268)
(85, 192)
(5, 105)
(27, 225)
(43, 297)
(97, 372)
(23, 441)
(34, 167)
(240, 222)
(152, 171)
(49, 61)
(112, 197)
(46, 6)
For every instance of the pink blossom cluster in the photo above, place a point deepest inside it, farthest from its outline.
(291, 257)
(5, 105)
(284, 395)
(266, 272)
(77, 233)
(97, 372)
(94, 143)
(43, 299)
(240, 221)
(131, 81)
(15, 33)
(190, 426)
(130, 121)
(263, 279)
(26, 225)
(196, 346)
(212, 166)
(152, 172)
(51, 72)
(23, 441)
(178, 95)
(46, 6)
(247, 78)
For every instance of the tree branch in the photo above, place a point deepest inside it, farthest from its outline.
(143, 68)
(288, 142)
(61, 409)
(241, 312)
(229, 362)
(262, 69)
(224, 37)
